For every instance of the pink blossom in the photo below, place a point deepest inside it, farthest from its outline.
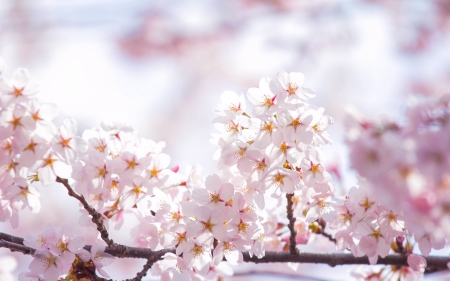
(374, 244)
(44, 262)
(216, 193)
(100, 258)
(42, 115)
(198, 256)
(312, 167)
(51, 167)
(209, 224)
(232, 251)
(322, 207)
(15, 121)
(417, 263)
(19, 89)
(428, 241)
(231, 105)
(29, 276)
(263, 98)
(176, 267)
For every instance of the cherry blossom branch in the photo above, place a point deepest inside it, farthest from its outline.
(329, 236)
(291, 218)
(434, 263)
(119, 250)
(96, 217)
(11, 238)
(15, 244)
(318, 227)
(145, 269)
(130, 252)
(16, 247)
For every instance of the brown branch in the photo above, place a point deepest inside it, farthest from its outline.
(16, 244)
(130, 252)
(11, 238)
(290, 216)
(16, 247)
(144, 270)
(120, 250)
(434, 263)
(96, 216)
(329, 236)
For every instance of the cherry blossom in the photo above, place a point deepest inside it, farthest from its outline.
(291, 90)
(51, 266)
(176, 267)
(264, 156)
(67, 144)
(232, 104)
(417, 263)
(19, 89)
(263, 98)
(216, 192)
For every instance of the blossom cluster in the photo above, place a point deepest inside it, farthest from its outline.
(265, 151)
(57, 249)
(32, 147)
(272, 150)
(407, 167)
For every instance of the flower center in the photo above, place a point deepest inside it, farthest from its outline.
(292, 88)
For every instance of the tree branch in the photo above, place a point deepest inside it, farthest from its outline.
(16, 244)
(329, 236)
(96, 216)
(16, 247)
(145, 269)
(434, 263)
(291, 218)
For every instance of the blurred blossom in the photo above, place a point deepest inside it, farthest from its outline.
(8, 265)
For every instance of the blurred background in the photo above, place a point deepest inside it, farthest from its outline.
(161, 66)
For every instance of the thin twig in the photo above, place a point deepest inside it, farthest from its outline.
(329, 236)
(290, 216)
(96, 216)
(144, 270)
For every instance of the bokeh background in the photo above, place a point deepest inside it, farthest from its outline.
(162, 65)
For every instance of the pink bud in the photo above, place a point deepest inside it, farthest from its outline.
(175, 169)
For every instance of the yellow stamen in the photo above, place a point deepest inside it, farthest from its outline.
(17, 92)
(15, 122)
(278, 178)
(366, 204)
(197, 251)
(292, 87)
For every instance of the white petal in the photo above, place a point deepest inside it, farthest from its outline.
(20, 78)
(213, 183)
(297, 78)
(46, 176)
(69, 128)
